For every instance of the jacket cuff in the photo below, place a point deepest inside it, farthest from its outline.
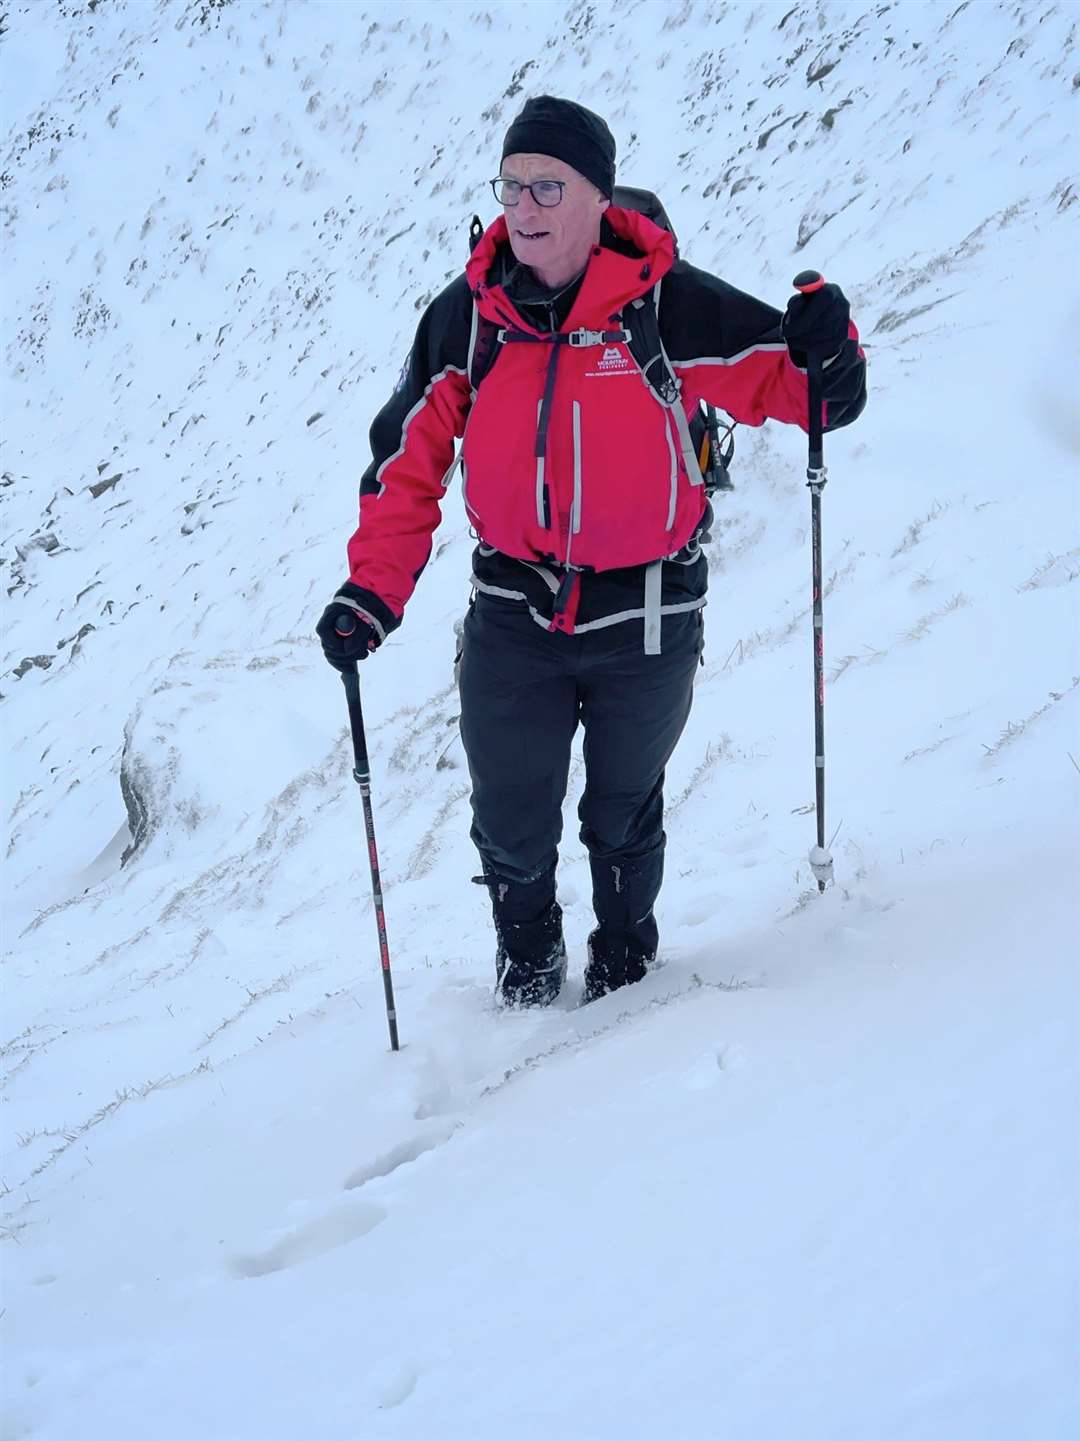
(371, 608)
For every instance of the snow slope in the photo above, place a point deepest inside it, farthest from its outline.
(817, 1175)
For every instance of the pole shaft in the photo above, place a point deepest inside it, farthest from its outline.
(815, 461)
(819, 669)
(362, 776)
(815, 474)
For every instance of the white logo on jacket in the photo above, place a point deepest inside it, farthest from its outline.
(611, 362)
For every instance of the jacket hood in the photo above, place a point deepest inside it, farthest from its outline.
(634, 253)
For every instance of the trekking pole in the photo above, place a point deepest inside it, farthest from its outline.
(344, 626)
(807, 281)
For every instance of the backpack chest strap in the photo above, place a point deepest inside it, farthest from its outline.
(576, 339)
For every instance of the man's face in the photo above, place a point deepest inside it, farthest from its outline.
(552, 238)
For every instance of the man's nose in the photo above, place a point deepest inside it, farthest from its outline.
(527, 207)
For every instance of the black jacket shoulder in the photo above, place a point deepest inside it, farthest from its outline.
(441, 344)
(442, 337)
(702, 315)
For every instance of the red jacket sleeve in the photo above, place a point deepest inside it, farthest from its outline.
(727, 350)
(412, 447)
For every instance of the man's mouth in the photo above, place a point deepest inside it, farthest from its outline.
(533, 234)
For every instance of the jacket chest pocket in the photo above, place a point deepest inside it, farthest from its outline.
(625, 464)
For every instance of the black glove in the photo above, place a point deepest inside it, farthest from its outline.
(343, 651)
(816, 324)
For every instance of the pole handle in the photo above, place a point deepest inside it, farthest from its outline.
(361, 767)
(815, 460)
(344, 626)
(807, 282)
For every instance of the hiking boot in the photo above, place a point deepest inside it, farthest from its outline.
(528, 982)
(613, 962)
(530, 955)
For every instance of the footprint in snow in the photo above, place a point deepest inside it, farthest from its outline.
(429, 1139)
(348, 1221)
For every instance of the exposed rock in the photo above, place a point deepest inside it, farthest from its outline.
(136, 787)
(101, 486)
(30, 662)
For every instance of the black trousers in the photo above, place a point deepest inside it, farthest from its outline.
(524, 690)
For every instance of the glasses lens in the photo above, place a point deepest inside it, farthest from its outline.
(547, 192)
(507, 192)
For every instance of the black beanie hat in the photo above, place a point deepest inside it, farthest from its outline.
(566, 131)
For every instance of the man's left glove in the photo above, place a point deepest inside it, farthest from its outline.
(343, 651)
(816, 324)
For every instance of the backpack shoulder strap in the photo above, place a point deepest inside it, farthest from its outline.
(646, 347)
(483, 347)
(648, 351)
(484, 335)
(712, 455)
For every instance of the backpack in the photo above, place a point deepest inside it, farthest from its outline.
(714, 444)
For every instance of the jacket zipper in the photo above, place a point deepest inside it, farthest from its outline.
(543, 497)
(575, 507)
(564, 596)
(674, 478)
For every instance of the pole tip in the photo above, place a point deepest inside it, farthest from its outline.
(821, 864)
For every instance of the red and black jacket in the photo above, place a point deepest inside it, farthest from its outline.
(577, 479)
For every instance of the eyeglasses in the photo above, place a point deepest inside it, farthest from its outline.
(547, 193)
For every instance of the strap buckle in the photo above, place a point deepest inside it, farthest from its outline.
(583, 337)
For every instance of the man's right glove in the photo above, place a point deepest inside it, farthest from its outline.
(816, 323)
(343, 651)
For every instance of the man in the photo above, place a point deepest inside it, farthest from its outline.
(581, 481)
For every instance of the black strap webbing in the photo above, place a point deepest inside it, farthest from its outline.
(545, 404)
(647, 350)
(565, 337)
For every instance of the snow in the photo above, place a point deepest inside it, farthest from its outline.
(819, 1173)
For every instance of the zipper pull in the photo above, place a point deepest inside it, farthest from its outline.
(565, 599)
(562, 595)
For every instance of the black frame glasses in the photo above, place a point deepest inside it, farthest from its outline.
(503, 183)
